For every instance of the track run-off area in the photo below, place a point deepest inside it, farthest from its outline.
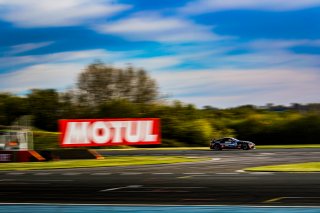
(221, 180)
(45, 208)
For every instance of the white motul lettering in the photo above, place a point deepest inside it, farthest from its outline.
(100, 132)
(113, 132)
(133, 131)
(148, 132)
(76, 133)
(117, 125)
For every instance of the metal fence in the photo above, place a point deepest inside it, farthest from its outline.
(16, 140)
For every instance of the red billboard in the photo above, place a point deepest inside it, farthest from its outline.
(109, 132)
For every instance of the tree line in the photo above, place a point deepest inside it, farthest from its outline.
(106, 92)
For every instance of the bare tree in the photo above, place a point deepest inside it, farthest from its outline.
(100, 83)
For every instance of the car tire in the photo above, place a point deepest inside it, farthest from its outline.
(245, 146)
(217, 147)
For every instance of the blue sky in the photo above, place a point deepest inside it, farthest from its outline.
(222, 53)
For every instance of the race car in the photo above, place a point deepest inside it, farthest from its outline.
(230, 143)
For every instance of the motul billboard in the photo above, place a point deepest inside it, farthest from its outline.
(109, 132)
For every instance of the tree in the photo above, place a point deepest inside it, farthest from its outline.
(44, 106)
(100, 83)
(145, 89)
(118, 109)
(11, 108)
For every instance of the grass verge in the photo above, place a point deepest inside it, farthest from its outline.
(303, 146)
(298, 146)
(299, 167)
(108, 161)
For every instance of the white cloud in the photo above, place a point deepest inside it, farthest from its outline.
(40, 76)
(170, 61)
(275, 58)
(56, 70)
(74, 55)
(274, 53)
(270, 44)
(85, 56)
(276, 75)
(222, 88)
(225, 88)
(151, 63)
(205, 6)
(153, 27)
(254, 54)
(35, 13)
(59, 70)
(16, 49)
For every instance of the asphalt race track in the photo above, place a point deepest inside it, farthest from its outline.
(219, 181)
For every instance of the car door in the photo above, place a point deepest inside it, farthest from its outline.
(227, 143)
(231, 144)
(223, 143)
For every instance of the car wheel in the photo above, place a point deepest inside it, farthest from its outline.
(245, 147)
(217, 147)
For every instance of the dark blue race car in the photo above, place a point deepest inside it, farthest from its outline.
(231, 143)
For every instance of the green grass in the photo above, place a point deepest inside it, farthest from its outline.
(157, 148)
(299, 167)
(50, 140)
(295, 146)
(45, 140)
(108, 161)
(207, 148)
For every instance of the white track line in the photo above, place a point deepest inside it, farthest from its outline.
(71, 173)
(261, 173)
(194, 173)
(162, 173)
(101, 173)
(131, 173)
(15, 173)
(42, 173)
(227, 173)
(124, 187)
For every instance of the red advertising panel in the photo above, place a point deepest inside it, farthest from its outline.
(109, 132)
